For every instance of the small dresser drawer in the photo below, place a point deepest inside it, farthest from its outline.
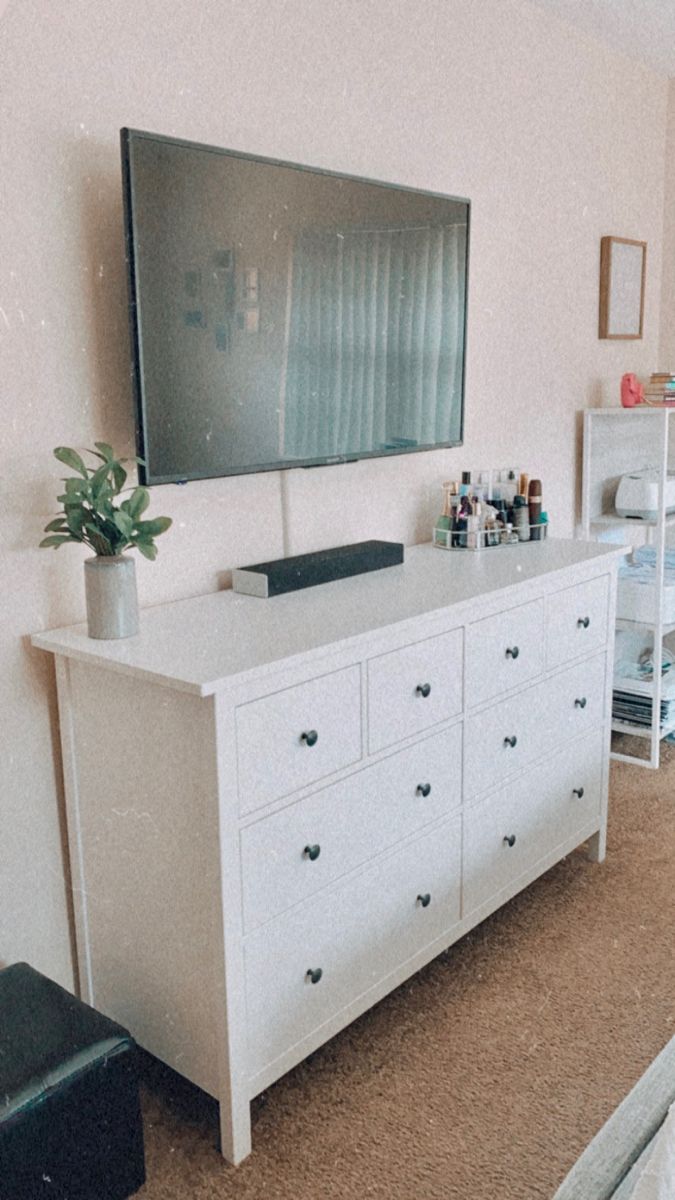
(294, 737)
(573, 701)
(504, 835)
(503, 739)
(576, 621)
(291, 854)
(504, 651)
(347, 940)
(411, 689)
(577, 787)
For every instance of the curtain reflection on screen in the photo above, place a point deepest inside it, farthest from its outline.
(375, 340)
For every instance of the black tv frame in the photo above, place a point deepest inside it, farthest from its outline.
(146, 478)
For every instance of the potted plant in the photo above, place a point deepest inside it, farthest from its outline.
(91, 516)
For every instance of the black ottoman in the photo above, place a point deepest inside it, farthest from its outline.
(70, 1121)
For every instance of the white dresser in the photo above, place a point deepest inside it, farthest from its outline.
(280, 809)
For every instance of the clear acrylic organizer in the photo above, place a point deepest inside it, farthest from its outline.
(487, 539)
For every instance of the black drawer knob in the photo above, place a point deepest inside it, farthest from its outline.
(512, 651)
(314, 975)
(424, 900)
(583, 622)
(311, 852)
(310, 738)
(510, 839)
(580, 702)
(578, 792)
(511, 741)
(423, 789)
(423, 689)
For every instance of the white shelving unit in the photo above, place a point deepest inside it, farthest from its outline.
(618, 441)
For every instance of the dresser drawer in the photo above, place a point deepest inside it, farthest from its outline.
(576, 621)
(291, 854)
(505, 835)
(573, 701)
(504, 651)
(503, 739)
(353, 935)
(411, 689)
(577, 788)
(297, 736)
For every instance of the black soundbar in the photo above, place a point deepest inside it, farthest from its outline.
(321, 566)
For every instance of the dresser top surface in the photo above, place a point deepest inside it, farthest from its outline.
(201, 643)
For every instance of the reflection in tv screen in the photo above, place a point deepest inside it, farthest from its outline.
(286, 317)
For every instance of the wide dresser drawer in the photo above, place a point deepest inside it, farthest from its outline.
(294, 737)
(508, 832)
(306, 966)
(293, 853)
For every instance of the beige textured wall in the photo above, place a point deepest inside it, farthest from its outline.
(491, 100)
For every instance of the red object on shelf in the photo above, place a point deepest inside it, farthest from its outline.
(632, 392)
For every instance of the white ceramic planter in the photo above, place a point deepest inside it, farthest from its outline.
(110, 590)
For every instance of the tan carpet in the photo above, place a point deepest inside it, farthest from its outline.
(484, 1076)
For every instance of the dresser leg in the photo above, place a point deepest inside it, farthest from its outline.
(235, 1132)
(597, 846)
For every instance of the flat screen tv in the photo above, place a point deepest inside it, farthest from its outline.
(284, 316)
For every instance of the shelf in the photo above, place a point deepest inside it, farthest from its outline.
(643, 731)
(629, 414)
(619, 442)
(628, 624)
(611, 519)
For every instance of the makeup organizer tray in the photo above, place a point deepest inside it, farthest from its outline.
(487, 539)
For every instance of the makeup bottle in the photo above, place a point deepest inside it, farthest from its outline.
(534, 508)
(473, 527)
(443, 524)
(521, 518)
(462, 522)
(465, 485)
(508, 486)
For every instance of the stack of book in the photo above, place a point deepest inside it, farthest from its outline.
(660, 389)
(632, 709)
(633, 691)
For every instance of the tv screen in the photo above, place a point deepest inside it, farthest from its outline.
(287, 317)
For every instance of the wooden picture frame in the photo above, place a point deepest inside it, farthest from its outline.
(623, 265)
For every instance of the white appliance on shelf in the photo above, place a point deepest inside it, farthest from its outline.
(638, 494)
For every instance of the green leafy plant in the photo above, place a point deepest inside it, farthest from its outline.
(90, 514)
